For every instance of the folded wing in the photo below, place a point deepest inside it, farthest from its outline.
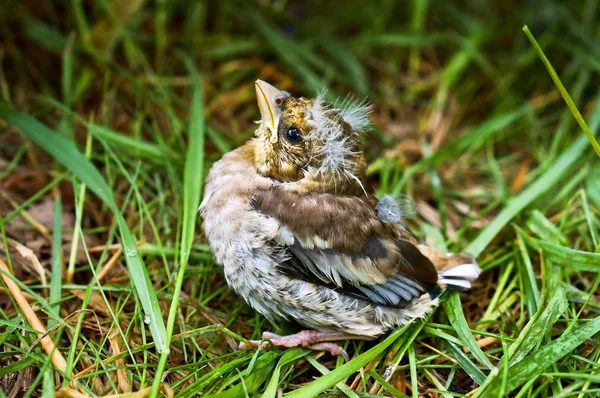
(341, 243)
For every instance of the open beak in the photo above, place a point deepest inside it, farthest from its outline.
(269, 100)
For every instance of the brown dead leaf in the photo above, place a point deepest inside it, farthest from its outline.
(70, 393)
(24, 261)
(29, 255)
(123, 383)
(96, 301)
(43, 212)
(112, 261)
(520, 178)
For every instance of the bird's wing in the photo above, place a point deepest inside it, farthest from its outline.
(339, 241)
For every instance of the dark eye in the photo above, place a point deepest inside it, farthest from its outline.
(293, 135)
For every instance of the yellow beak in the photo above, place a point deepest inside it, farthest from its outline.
(269, 100)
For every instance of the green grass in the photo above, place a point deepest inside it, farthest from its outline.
(111, 116)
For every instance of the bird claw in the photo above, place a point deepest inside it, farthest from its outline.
(332, 348)
(307, 339)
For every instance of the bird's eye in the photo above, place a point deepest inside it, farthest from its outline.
(293, 135)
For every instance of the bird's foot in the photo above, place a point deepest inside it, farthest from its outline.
(311, 339)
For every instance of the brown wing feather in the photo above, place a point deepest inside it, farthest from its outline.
(346, 222)
(364, 249)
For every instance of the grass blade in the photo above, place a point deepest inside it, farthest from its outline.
(65, 152)
(593, 185)
(316, 387)
(533, 365)
(290, 356)
(528, 280)
(192, 190)
(471, 139)
(563, 92)
(464, 361)
(532, 334)
(542, 227)
(56, 275)
(343, 388)
(193, 174)
(543, 184)
(453, 308)
(288, 51)
(565, 256)
(250, 384)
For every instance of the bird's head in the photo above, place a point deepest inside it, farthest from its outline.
(309, 143)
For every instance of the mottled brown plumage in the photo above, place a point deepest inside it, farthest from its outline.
(299, 238)
(360, 233)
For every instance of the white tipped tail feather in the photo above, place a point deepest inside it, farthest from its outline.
(455, 270)
(459, 277)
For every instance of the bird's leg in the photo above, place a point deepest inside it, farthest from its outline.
(311, 339)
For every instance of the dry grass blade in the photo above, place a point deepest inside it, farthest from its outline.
(28, 254)
(112, 261)
(122, 380)
(57, 359)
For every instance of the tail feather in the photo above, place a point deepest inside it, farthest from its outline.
(467, 271)
(455, 271)
(459, 277)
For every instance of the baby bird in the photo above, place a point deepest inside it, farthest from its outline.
(288, 218)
